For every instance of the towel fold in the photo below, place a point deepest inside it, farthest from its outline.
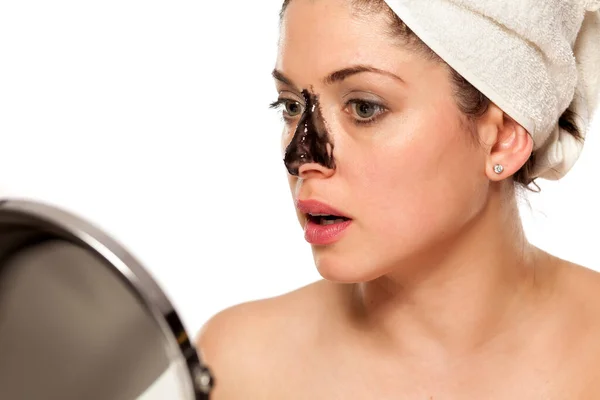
(533, 59)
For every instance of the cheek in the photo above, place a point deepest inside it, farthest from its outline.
(426, 181)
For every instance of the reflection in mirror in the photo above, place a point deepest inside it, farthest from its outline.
(81, 319)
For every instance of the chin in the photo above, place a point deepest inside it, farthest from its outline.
(342, 268)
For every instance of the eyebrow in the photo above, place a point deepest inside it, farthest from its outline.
(278, 75)
(340, 75)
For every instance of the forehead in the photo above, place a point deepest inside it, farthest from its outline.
(320, 36)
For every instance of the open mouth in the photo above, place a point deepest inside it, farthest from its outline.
(326, 219)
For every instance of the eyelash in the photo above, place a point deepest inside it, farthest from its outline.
(277, 104)
(380, 110)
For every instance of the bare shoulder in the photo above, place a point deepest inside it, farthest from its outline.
(582, 286)
(577, 290)
(579, 301)
(243, 345)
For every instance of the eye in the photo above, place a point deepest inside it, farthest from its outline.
(292, 108)
(365, 112)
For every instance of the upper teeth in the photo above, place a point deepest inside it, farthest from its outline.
(318, 215)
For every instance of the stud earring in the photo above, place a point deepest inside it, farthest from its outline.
(498, 169)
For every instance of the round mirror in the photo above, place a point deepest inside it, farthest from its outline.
(80, 318)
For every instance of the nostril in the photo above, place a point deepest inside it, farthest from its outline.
(293, 169)
(313, 169)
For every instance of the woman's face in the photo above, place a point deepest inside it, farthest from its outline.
(406, 169)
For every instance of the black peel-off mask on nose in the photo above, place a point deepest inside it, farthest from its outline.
(311, 142)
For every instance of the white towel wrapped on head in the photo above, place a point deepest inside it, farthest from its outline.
(534, 59)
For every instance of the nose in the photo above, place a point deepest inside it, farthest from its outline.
(310, 151)
(314, 170)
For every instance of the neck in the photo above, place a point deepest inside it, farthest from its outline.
(461, 296)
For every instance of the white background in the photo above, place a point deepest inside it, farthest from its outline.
(151, 120)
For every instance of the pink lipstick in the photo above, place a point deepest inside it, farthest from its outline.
(324, 225)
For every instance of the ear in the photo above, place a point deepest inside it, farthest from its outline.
(509, 144)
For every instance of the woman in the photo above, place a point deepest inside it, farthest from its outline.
(405, 152)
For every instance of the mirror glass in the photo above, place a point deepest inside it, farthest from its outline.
(81, 319)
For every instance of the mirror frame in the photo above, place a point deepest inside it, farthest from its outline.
(48, 221)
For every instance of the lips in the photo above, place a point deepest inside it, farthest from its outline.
(325, 225)
(313, 209)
